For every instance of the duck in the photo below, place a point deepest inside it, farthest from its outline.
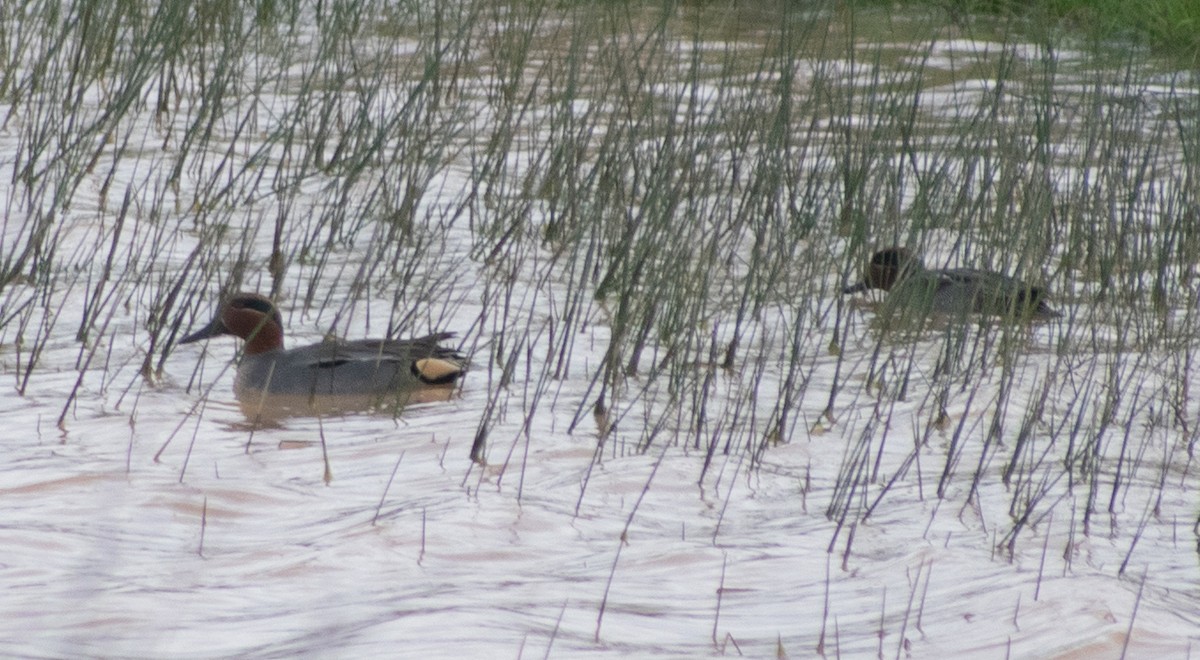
(916, 290)
(333, 375)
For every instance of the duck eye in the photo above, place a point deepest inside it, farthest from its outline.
(256, 305)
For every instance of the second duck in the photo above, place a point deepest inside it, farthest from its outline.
(916, 291)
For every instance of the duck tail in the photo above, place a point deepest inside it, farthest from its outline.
(444, 367)
(1033, 299)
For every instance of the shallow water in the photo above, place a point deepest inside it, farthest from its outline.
(156, 520)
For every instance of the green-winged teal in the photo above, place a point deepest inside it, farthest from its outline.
(916, 291)
(331, 375)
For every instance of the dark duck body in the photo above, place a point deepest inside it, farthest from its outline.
(917, 291)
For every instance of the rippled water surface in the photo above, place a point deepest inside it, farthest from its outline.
(926, 512)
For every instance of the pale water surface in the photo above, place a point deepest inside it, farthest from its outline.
(156, 521)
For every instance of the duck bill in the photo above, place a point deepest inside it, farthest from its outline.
(211, 330)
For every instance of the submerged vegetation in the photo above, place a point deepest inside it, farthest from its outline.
(640, 220)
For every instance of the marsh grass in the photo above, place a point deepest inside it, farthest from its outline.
(641, 218)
